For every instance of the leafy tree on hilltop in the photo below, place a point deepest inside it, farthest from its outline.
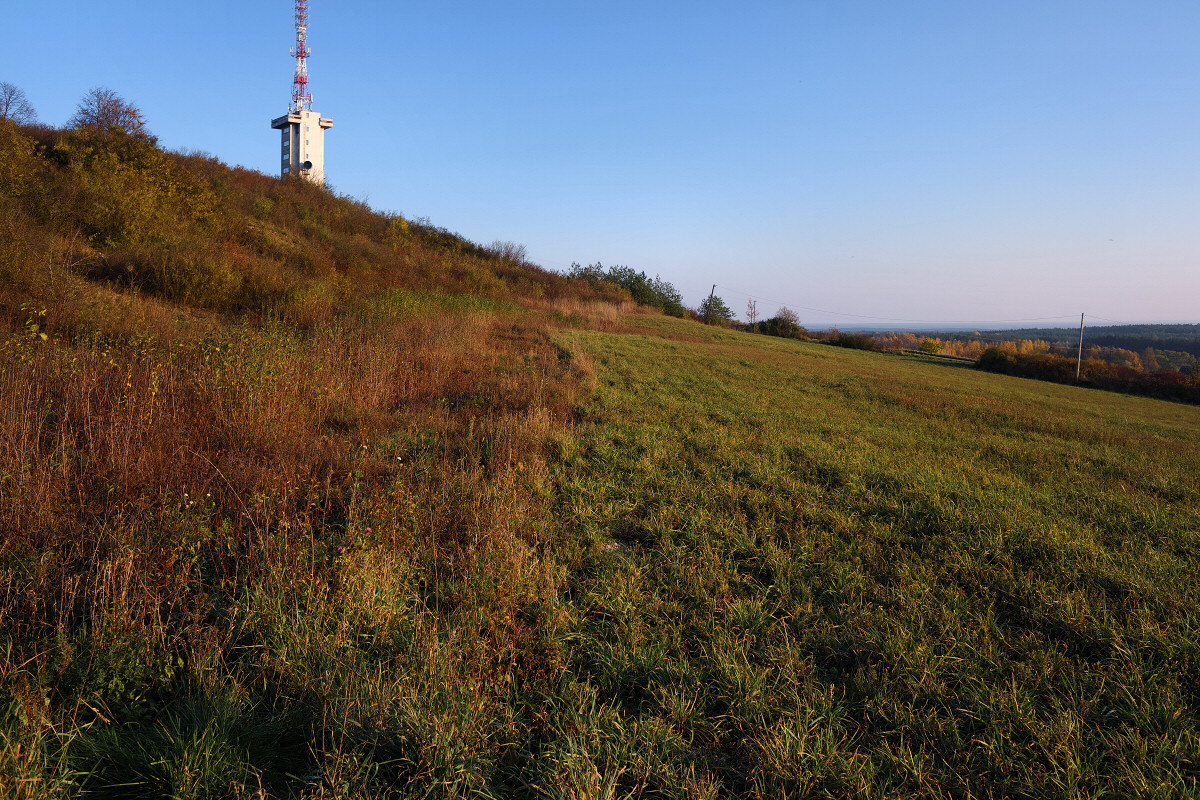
(713, 311)
(655, 293)
(785, 323)
(785, 314)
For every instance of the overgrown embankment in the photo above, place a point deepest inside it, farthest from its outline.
(272, 480)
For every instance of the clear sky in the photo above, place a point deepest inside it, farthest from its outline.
(926, 160)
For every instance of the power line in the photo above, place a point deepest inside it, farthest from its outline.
(542, 261)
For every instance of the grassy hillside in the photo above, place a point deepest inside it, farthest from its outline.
(308, 501)
(836, 573)
(239, 414)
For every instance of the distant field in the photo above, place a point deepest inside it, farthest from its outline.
(828, 572)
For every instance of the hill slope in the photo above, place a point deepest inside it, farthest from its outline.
(332, 504)
(851, 574)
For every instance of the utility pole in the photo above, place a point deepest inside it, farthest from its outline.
(1079, 359)
(708, 311)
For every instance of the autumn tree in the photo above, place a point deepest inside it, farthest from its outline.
(653, 292)
(1150, 360)
(105, 110)
(785, 314)
(785, 323)
(15, 106)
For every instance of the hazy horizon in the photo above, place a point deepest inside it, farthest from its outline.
(982, 328)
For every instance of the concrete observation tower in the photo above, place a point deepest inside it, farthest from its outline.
(302, 149)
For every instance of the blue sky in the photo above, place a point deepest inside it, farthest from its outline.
(883, 162)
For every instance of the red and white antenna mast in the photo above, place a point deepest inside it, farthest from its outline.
(301, 97)
(302, 130)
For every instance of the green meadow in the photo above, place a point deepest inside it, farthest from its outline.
(822, 572)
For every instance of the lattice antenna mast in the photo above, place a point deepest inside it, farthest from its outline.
(302, 130)
(301, 98)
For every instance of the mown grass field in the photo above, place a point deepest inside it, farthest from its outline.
(824, 572)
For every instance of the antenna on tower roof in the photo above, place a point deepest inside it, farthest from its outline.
(301, 97)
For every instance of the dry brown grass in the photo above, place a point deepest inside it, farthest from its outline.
(260, 506)
(263, 454)
(585, 313)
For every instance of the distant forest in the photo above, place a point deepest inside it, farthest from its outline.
(1179, 338)
(1156, 360)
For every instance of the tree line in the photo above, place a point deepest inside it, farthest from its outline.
(101, 109)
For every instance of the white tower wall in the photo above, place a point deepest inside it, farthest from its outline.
(302, 144)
